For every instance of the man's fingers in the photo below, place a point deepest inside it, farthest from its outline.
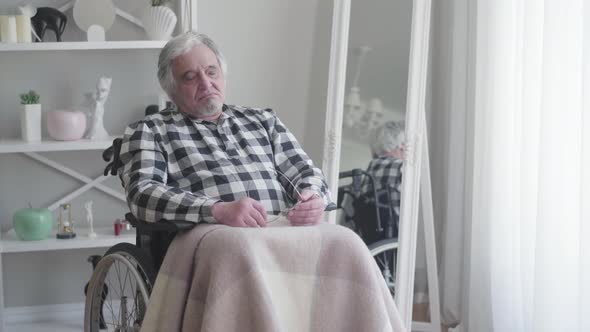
(260, 209)
(258, 217)
(305, 217)
(301, 213)
(250, 222)
(313, 203)
(305, 195)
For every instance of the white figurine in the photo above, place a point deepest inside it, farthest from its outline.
(89, 219)
(96, 101)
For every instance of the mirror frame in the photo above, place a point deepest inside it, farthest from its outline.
(415, 135)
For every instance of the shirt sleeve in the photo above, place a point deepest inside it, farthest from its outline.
(295, 164)
(144, 177)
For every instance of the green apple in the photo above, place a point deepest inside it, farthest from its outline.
(32, 224)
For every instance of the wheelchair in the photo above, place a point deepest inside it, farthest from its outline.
(119, 288)
(373, 218)
(118, 291)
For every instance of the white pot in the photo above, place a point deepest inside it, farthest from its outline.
(30, 122)
(159, 22)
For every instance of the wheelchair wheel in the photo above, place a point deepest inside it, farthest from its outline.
(385, 254)
(119, 289)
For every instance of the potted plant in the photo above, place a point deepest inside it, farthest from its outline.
(159, 21)
(30, 118)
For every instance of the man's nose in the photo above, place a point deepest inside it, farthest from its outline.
(205, 81)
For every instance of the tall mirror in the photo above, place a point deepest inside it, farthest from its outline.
(375, 130)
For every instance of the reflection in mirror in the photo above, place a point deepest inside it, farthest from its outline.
(373, 137)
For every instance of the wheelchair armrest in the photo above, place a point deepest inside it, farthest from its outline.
(331, 207)
(162, 225)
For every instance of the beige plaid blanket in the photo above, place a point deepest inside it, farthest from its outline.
(319, 278)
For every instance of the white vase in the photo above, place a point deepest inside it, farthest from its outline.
(159, 22)
(30, 122)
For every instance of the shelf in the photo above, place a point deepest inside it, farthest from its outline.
(16, 146)
(83, 45)
(9, 242)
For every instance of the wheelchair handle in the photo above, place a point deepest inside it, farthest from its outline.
(356, 175)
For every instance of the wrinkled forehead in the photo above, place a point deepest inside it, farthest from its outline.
(199, 56)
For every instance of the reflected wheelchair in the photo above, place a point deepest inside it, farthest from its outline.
(369, 212)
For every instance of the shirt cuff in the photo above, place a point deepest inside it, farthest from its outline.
(205, 214)
(318, 191)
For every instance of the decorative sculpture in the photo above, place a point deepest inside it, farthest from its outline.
(96, 101)
(49, 18)
(89, 219)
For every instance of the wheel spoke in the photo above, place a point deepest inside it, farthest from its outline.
(125, 276)
(385, 255)
(114, 313)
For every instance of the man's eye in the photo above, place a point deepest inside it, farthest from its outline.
(189, 77)
(212, 72)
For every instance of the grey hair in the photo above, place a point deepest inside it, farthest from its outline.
(388, 137)
(179, 45)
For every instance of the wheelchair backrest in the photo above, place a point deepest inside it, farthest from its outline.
(111, 156)
(374, 216)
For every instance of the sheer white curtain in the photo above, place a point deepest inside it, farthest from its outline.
(527, 250)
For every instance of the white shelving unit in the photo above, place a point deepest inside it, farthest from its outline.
(68, 46)
(70, 318)
(31, 149)
(20, 146)
(10, 243)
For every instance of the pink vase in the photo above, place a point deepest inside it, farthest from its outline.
(66, 125)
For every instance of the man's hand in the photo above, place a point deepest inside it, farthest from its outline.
(245, 212)
(308, 210)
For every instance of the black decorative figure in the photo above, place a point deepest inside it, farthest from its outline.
(49, 18)
(105, 290)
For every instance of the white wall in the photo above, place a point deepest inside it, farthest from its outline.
(269, 46)
(277, 52)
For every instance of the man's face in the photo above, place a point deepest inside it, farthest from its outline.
(200, 84)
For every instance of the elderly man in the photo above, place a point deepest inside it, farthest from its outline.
(387, 147)
(206, 161)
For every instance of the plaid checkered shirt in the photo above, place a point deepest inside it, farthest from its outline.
(387, 172)
(176, 167)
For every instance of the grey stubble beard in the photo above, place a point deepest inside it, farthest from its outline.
(212, 107)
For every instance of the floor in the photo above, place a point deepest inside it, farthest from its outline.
(74, 324)
(420, 314)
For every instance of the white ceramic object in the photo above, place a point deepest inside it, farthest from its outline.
(99, 98)
(23, 29)
(8, 29)
(91, 12)
(159, 22)
(30, 122)
(65, 125)
(95, 33)
(89, 219)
